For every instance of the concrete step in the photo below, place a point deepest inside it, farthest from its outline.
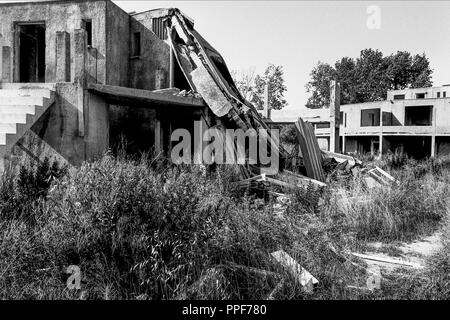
(17, 109)
(25, 86)
(20, 107)
(8, 128)
(4, 101)
(4, 93)
(13, 117)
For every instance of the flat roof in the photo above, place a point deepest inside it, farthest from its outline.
(38, 2)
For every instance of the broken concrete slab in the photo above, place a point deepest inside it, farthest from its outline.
(306, 279)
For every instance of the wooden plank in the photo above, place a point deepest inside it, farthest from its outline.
(312, 156)
(385, 174)
(130, 95)
(302, 179)
(387, 260)
(381, 176)
(302, 275)
(341, 157)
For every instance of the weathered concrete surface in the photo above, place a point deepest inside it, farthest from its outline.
(118, 46)
(6, 64)
(58, 128)
(335, 108)
(151, 70)
(58, 16)
(62, 56)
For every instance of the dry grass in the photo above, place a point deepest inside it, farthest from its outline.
(139, 230)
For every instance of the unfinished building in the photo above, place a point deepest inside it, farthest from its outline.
(78, 77)
(412, 121)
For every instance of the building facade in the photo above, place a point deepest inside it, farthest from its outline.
(413, 121)
(80, 77)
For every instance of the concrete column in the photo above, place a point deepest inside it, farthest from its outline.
(266, 112)
(433, 145)
(6, 64)
(160, 79)
(1, 57)
(80, 39)
(381, 146)
(335, 110)
(433, 137)
(343, 144)
(158, 135)
(91, 65)
(172, 69)
(381, 132)
(62, 56)
(199, 129)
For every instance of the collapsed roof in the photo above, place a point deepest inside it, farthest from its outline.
(207, 74)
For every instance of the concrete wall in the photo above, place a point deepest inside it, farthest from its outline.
(430, 93)
(55, 134)
(151, 70)
(118, 46)
(58, 16)
(394, 116)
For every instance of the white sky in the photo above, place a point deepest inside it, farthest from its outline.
(298, 34)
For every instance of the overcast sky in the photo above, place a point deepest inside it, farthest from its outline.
(298, 34)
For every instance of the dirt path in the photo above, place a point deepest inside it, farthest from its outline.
(389, 258)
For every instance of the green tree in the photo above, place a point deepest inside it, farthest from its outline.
(368, 77)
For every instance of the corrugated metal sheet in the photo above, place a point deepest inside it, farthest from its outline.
(158, 27)
(312, 156)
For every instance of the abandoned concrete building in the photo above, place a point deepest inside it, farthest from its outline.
(79, 76)
(413, 121)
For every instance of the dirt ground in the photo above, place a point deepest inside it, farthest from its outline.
(402, 255)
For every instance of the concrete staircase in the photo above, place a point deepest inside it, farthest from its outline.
(21, 105)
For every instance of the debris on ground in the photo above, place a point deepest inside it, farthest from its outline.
(306, 279)
(320, 166)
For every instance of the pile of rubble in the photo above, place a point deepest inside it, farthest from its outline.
(316, 163)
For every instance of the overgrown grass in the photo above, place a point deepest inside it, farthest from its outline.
(403, 211)
(140, 230)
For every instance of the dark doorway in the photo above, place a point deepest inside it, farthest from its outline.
(31, 52)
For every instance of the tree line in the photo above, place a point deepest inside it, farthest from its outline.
(368, 77)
